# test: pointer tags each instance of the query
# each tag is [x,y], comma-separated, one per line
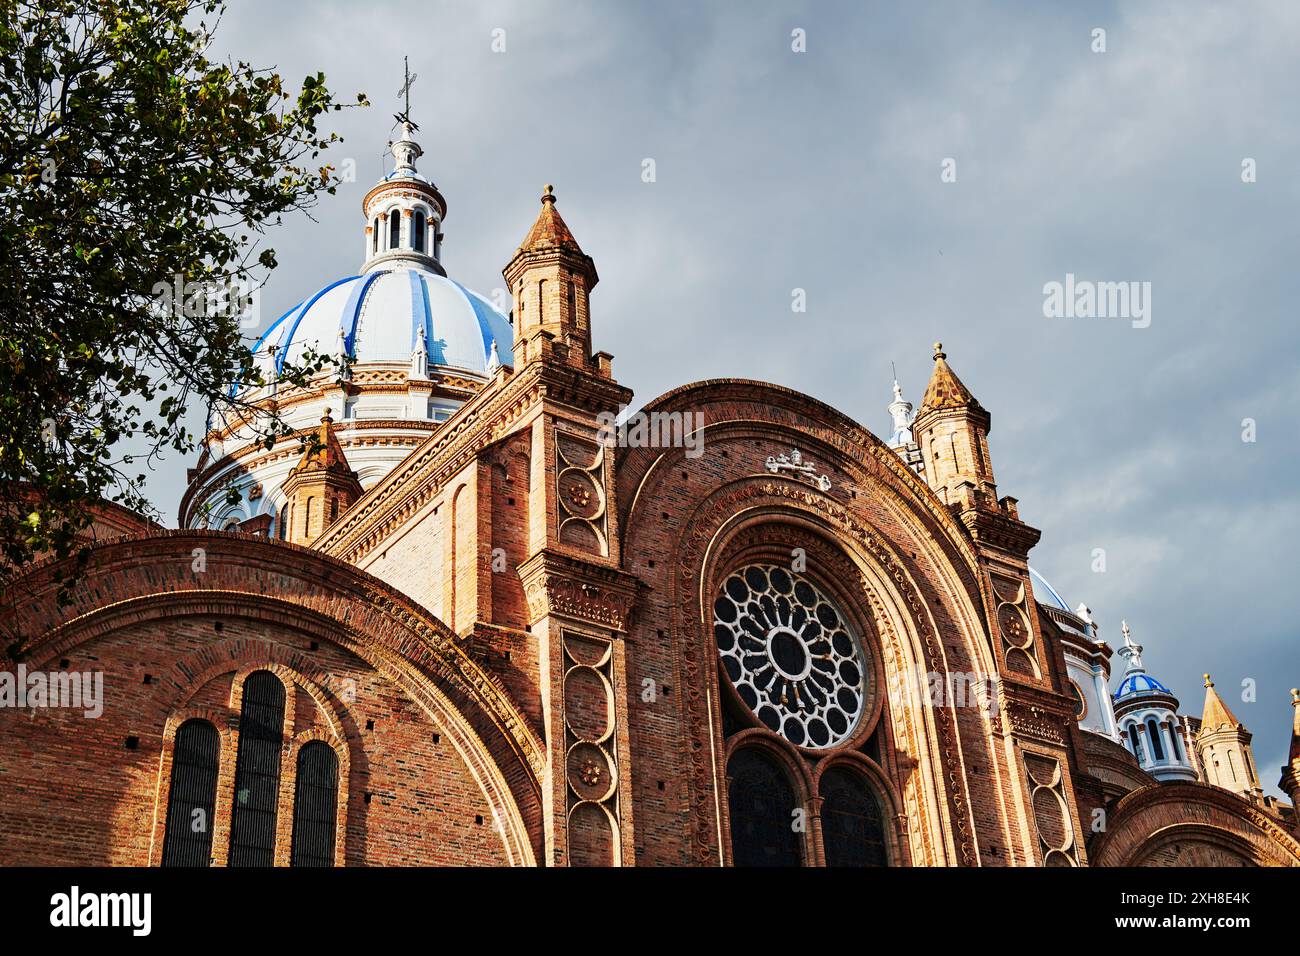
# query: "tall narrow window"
[315,806]
[417,229]
[1137,743]
[257,771]
[853,827]
[284,522]
[374,236]
[573,302]
[187,840]
[394,229]
[762,812]
[1153,730]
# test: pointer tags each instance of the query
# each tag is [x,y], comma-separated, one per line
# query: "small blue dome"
[381,314]
[1044,593]
[1141,684]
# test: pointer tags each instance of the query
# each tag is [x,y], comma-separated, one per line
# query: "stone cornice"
[1001,531]
[1035,713]
[556,584]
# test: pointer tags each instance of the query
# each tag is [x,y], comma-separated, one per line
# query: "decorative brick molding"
[1142,824]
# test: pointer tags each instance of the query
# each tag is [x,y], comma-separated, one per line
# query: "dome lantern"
[1149,724]
[404,212]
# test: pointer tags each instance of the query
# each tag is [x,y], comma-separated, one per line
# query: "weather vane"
[405,116]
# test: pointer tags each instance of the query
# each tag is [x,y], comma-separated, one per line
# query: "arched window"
[417,228]
[1177,744]
[374,236]
[394,229]
[315,806]
[853,828]
[187,839]
[284,522]
[257,771]
[1137,742]
[1157,748]
[762,812]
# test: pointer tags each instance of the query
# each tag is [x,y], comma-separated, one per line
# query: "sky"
[830,170]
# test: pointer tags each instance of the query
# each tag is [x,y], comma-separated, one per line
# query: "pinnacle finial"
[1295,697]
[325,419]
[939,353]
[1208,682]
[548,193]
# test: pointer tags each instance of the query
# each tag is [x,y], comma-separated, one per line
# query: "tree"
[137,179]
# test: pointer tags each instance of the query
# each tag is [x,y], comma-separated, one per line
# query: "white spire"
[420,356]
[900,409]
[1131,651]
[406,151]
[341,356]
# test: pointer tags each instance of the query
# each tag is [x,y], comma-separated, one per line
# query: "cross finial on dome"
[1128,635]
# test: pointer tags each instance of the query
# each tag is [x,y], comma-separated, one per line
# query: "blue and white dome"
[382,314]
[1141,683]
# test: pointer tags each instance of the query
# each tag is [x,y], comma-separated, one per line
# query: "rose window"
[791,656]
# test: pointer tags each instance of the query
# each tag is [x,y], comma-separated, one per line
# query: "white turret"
[900,410]
[1149,724]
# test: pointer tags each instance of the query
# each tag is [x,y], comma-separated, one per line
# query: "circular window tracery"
[791,656]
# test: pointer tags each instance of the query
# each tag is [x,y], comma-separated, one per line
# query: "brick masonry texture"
[508,643]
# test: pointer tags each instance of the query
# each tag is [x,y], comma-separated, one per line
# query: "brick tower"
[1224,746]
[952,430]
[320,487]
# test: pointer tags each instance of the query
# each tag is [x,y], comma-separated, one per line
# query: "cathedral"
[475,614]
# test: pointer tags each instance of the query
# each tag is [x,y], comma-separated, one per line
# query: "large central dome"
[419,344]
[384,315]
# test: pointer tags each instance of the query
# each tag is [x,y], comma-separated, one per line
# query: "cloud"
[820,171]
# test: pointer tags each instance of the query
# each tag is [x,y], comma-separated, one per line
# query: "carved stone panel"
[591,758]
[1051,811]
[580,493]
[1014,630]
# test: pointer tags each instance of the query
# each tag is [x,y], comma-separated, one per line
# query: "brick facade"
[509,643]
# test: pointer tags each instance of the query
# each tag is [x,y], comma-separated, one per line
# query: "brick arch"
[774,413]
[891,800]
[152,577]
[782,754]
[938,630]
[1211,822]
[921,557]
